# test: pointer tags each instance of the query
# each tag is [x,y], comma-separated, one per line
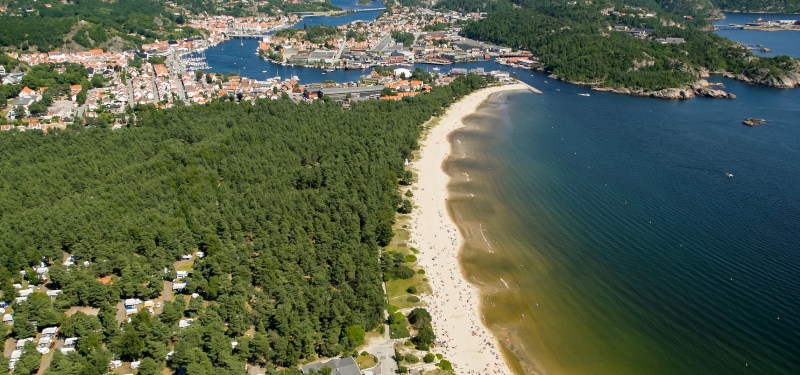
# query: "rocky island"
[754,121]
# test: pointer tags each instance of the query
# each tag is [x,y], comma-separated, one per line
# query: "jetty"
[729,27]
[533,89]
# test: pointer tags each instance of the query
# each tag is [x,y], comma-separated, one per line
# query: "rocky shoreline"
[787,80]
[702,87]
[699,88]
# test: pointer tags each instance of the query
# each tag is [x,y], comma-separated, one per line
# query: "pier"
[334,13]
[729,27]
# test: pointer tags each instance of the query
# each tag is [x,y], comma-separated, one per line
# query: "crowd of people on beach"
[453,304]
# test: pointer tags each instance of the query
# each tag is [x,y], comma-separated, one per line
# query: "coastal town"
[209,193]
[170,72]
[105,86]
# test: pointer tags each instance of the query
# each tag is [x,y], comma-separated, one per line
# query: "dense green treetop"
[318,34]
[577,43]
[89,23]
[290,203]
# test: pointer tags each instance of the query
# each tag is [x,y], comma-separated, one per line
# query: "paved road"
[383,349]
[166,295]
[175,69]
[156,94]
[130,92]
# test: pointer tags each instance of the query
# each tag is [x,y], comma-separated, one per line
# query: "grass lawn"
[396,289]
[184,265]
[366,361]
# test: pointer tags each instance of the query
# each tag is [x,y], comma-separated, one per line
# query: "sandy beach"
[462,337]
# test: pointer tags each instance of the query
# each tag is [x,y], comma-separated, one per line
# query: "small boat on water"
[729,174]
[585,94]
[328,70]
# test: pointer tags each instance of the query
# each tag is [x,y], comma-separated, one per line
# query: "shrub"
[410,258]
[421,271]
[412,290]
[425,279]
[402,272]
[414,250]
[408,343]
[429,358]
[406,207]
[355,334]
[439,356]
[413,299]
[410,358]
[398,331]
[445,365]
[409,193]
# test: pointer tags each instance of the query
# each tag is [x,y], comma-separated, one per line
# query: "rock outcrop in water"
[754,121]
[699,88]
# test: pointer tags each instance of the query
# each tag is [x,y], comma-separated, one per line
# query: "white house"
[53,293]
[135,365]
[132,302]
[200,254]
[41,270]
[20,299]
[183,323]
[130,311]
[26,292]
[66,351]
[178,286]
[21,342]
[69,345]
[44,345]
[70,342]
[182,274]
[186,257]
[8,318]
[50,332]
[115,364]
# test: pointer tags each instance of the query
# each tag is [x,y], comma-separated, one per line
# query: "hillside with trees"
[44,26]
[578,43]
[289,202]
[771,6]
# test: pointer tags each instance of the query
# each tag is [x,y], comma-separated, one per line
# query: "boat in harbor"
[329,70]
[585,94]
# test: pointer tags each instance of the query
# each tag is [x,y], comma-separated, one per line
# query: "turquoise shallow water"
[615,215]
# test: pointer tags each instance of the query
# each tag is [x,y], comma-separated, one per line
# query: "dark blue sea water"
[781,42]
[658,263]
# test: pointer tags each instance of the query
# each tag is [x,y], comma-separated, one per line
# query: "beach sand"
[462,337]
